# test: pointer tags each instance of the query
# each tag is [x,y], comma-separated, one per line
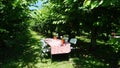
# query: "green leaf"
[96,4]
[86,3]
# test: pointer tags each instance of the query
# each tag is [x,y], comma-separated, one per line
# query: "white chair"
[73,42]
[44,49]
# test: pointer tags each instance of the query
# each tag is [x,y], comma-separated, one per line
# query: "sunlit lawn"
[30,58]
[55,64]
[83,61]
[47,62]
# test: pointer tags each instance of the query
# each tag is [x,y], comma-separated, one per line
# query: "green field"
[29,57]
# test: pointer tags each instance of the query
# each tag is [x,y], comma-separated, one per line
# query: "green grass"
[60,64]
[48,63]
[28,56]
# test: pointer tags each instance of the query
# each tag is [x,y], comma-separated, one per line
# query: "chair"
[73,41]
[44,49]
[66,39]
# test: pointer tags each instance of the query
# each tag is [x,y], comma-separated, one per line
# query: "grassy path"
[28,56]
[48,64]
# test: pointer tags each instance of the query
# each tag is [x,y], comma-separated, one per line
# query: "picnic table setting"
[59,46]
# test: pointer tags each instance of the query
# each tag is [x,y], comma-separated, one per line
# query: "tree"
[14,16]
[43,19]
[101,15]
[92,16]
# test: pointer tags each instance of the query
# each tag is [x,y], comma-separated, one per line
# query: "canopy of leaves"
[72,17]
[14,16]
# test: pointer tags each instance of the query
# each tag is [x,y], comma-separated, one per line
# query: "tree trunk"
[93,38]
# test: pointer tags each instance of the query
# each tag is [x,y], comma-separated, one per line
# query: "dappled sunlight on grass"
[22,56]
[87,61]
[28,56]
[62,64]
[101,55]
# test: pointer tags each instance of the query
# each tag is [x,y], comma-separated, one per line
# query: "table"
[57,47]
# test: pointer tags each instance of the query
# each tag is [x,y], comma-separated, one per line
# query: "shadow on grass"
[99,56]
[25,53]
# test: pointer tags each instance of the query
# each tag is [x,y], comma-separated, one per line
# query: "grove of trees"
[14,21]
[97,18]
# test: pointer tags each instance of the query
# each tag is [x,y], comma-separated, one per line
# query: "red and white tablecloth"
[57,47]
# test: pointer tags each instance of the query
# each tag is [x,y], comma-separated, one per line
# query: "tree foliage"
[14,16]
[72,17]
